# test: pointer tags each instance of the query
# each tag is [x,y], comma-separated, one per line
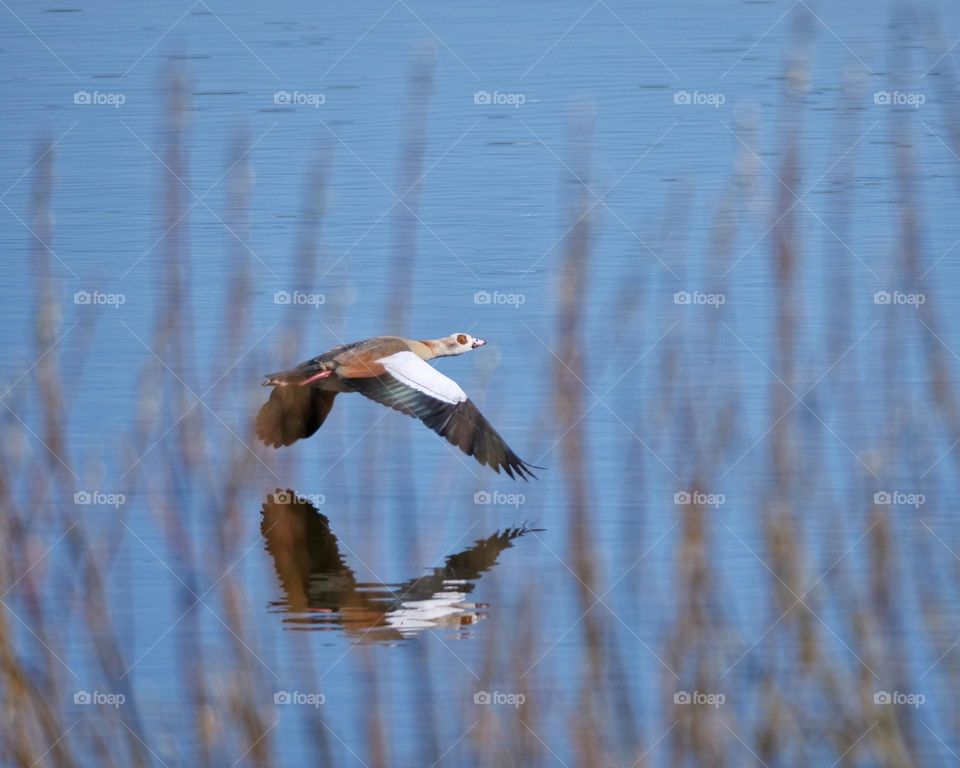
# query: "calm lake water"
[398,559]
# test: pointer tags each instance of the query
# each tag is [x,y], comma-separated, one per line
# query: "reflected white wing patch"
[417,374]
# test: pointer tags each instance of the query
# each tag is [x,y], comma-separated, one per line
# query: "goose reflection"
[320,591]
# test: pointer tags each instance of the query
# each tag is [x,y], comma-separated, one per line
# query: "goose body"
[394,372]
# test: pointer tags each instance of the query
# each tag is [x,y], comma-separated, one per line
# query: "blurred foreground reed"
[810,697]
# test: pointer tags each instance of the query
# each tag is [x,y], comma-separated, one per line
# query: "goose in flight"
[394,372]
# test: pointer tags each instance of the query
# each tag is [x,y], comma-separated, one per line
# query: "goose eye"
[461,339]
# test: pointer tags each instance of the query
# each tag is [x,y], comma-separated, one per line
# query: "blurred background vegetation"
[739,375]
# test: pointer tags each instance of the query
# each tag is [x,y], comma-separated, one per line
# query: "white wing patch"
[417,374]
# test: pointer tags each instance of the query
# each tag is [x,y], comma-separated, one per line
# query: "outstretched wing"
[410,385]
[292,413]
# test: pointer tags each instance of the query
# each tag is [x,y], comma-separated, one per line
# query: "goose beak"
[478,343]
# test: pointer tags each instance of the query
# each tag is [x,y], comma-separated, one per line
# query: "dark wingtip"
[527,527]
[523,469]
[516,531]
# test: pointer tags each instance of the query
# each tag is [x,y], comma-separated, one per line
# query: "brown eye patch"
[461,339]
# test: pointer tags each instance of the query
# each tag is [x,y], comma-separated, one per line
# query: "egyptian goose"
[394,372]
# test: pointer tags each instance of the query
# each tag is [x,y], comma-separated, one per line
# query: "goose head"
[458,343]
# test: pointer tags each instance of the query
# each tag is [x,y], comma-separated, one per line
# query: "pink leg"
[316,377]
